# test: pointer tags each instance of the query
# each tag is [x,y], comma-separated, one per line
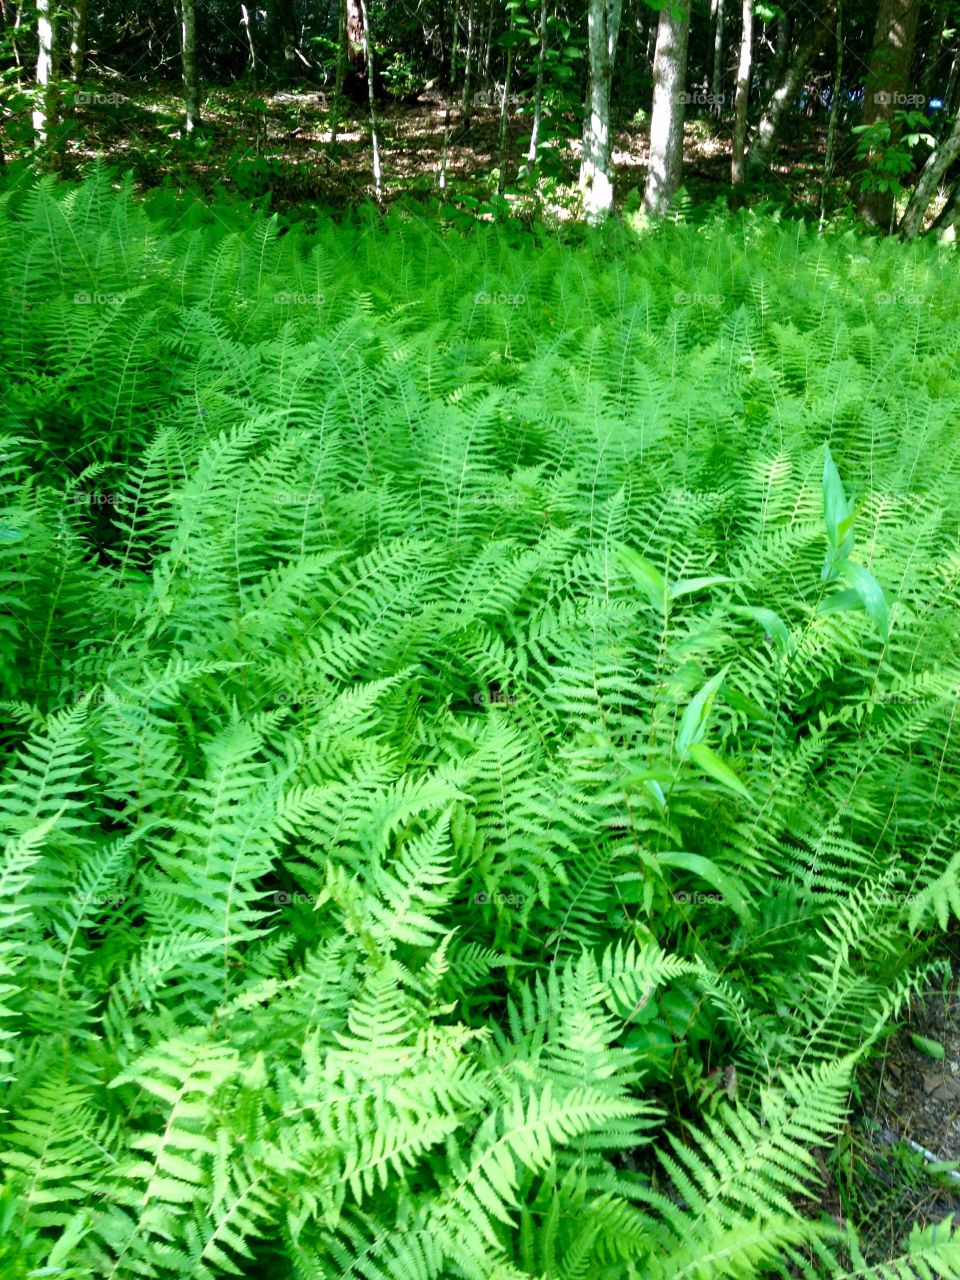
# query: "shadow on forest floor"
[276,147]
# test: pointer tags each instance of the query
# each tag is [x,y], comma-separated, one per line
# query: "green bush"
[480,719]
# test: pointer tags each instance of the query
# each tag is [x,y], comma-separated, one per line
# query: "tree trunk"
[932,50]
[716,77]
[945,223]
[448,95]
[336,109]
[950,93]
[374,136]
[834,113]
[45,113]
[665,165]
[603,28]
[538,91]
[191,83]
[245,20]
[742,96]
[78,39]
[466,102]
[885,90]
[771,122]
[488,54]
[504,112]
[932,174]
[282,39]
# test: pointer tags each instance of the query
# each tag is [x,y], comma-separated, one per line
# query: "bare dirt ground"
[278,145]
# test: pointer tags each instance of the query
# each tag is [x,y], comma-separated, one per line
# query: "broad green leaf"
[646,575]
[694,723]
[840,602]
[862,581]
[932,1048]
[773,625]
[688,585]
[708,760]
[835,509]
[837,515]
[725,882]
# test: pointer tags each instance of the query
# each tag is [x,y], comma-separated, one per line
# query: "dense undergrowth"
[481,728]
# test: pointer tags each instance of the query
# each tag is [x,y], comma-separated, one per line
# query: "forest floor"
[277,147]
[892,1170]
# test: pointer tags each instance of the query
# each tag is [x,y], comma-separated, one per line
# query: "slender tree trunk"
[885,89]
[932,50]
[466,102]
[282,39]
[448,95]
[538,91]
[716,77]
[603,29]
[665,167]
[336,109]
[945,222]
[771,122]
[245,20]
[504,117]
[487,84]
[188,46]
[45,113]
[834,114]
[78,39]
[371,93]
[14,14]
[742,96]
[950,93]
[932,174]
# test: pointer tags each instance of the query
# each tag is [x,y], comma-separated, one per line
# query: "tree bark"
[834,113]
[603,28]
[932,174]
[336,108]
[665,165]
[281,39]
[466,102]
[885,90]
[488,54]
[448,95]
[374,135]
[188,46]
[538,91]
[504,110]
[78,39]
[716,77]
[742,96]
[771,122]
[45,113]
